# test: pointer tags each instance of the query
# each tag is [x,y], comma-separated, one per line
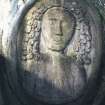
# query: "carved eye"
[52,21]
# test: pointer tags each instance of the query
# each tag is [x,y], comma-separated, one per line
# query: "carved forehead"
[57,12]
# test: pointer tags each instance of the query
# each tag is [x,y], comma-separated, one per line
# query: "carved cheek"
[47,30]
[54,28]
[66,30]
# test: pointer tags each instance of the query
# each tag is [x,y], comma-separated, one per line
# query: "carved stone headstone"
[58,54]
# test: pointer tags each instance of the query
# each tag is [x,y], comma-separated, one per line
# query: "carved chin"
[56,47]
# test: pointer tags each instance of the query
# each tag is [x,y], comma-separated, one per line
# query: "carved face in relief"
[57,26]
[59,77]
[56,77]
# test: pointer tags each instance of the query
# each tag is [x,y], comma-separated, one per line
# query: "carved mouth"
[57,40]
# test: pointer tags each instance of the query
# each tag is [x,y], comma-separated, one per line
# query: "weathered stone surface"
[49,37]
[56,55]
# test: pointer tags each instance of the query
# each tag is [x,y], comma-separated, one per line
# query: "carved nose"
[59,29]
